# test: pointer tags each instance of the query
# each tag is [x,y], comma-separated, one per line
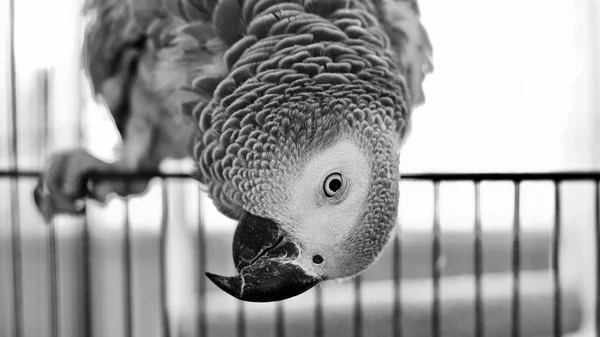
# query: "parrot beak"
[264,257]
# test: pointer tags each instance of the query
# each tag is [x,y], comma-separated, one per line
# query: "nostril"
[318,259]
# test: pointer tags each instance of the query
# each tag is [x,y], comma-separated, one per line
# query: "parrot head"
[316,194]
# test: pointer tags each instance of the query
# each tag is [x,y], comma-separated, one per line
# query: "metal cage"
[564,317]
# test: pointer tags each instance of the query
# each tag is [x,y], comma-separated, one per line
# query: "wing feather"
[165,39]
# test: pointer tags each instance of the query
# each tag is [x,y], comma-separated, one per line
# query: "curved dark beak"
[265,258]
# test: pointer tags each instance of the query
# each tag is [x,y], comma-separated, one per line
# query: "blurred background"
[516,88]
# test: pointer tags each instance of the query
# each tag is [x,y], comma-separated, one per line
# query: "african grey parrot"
[294,111]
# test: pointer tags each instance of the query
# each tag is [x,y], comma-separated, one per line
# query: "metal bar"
[318,311]
[529,176]
[128,315]
[162,263]
[478,264]
[241,322]
[54,282]
[14,183]
[27,173]
[79,97]
[397,274]
[593,43]
[46,138]
[279,320]
[357,307]
[516,262]
[593,10]
[597,223]
[556,262]
[53,276]
[201,270]
[87,280]
[435,265]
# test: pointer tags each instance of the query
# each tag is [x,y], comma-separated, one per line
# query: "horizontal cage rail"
[437,176]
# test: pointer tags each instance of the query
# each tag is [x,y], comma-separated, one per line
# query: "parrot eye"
[332,185]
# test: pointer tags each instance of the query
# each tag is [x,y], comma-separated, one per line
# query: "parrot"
[294,113]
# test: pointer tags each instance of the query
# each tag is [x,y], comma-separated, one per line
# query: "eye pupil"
[335,185]
[318,259]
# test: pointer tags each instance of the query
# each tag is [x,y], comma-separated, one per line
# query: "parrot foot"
[65,183]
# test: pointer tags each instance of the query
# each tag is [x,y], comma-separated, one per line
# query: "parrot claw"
[49,207]
[62,187]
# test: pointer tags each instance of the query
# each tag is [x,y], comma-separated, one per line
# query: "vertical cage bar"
[397,274]
[557,312]
[79,96]
[357,306]
[162,260]
[88,318]
[279,320]
[435,265]
[52,238]
[14,182]
[54,282]
[478,263]
[594,38]
[201,270]
[45,143]
[597,232]
[318,311]
[516,263]
[128,317]
[241,323]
